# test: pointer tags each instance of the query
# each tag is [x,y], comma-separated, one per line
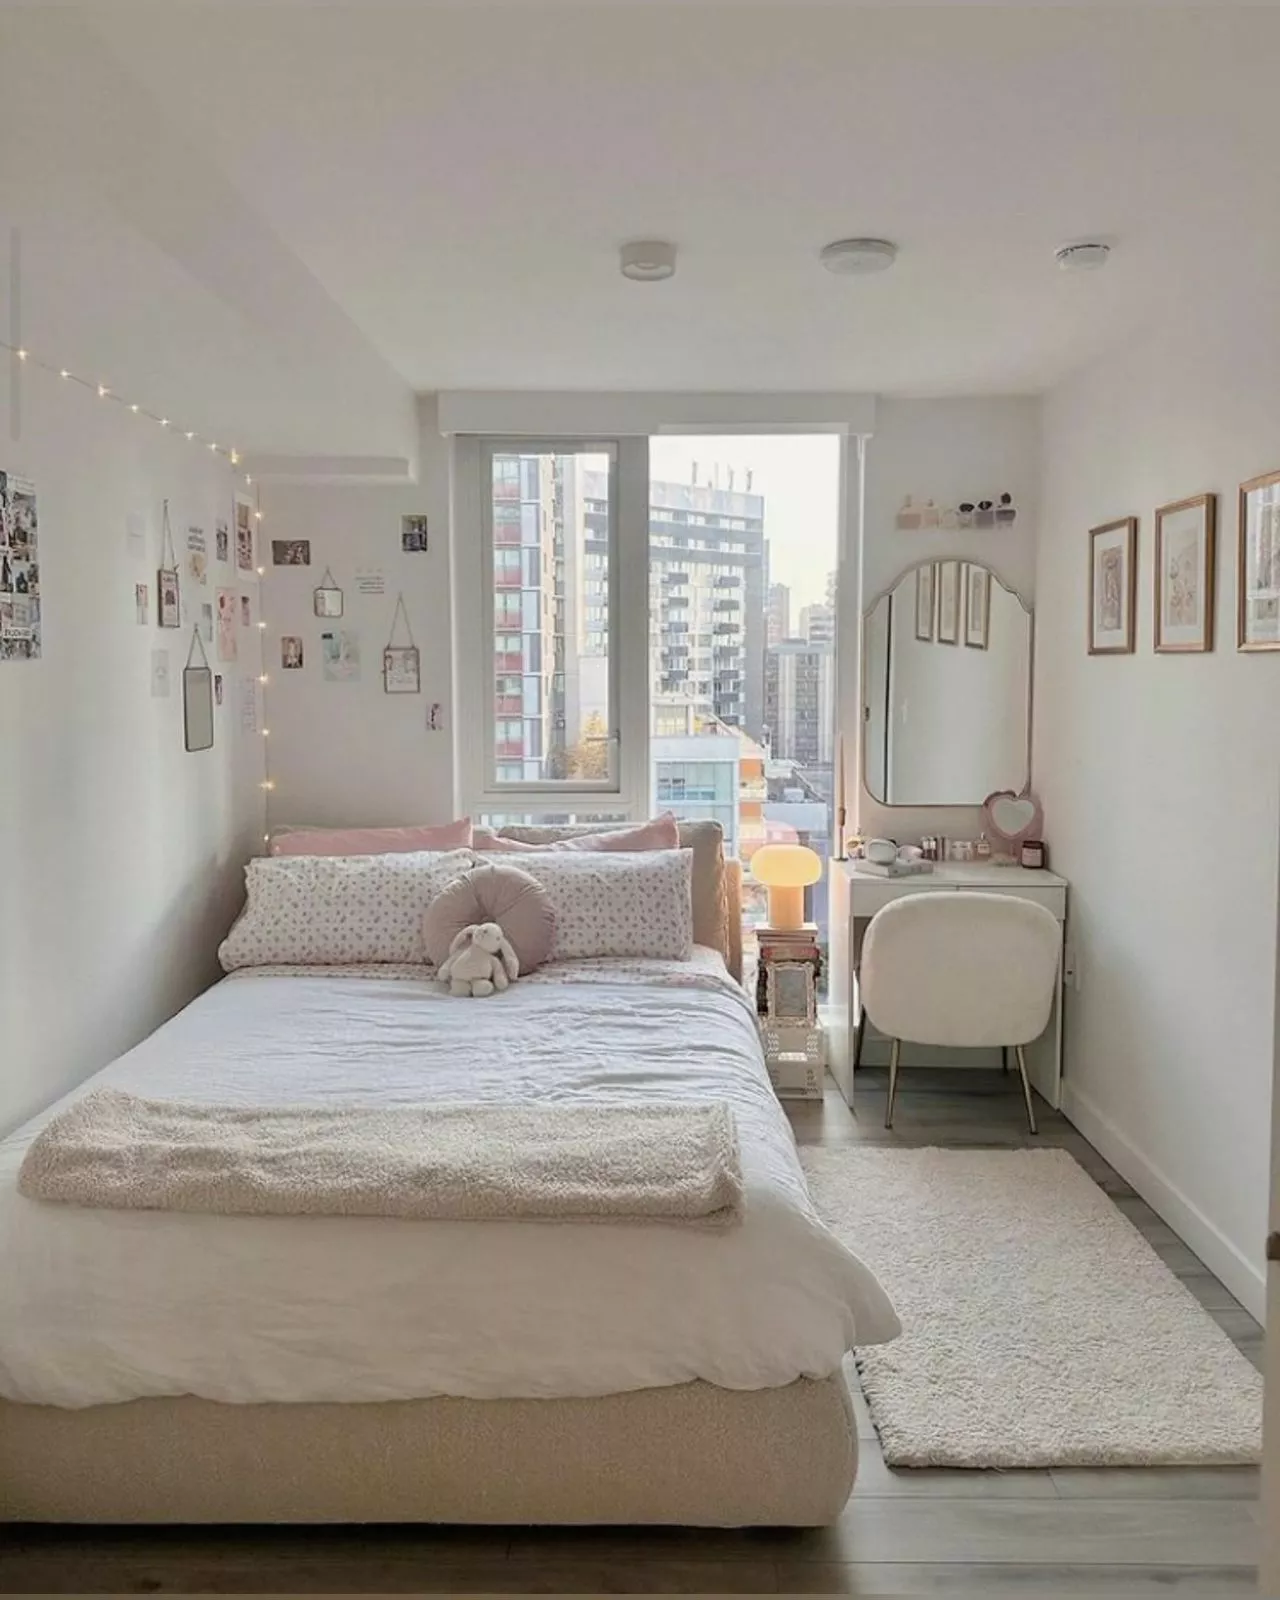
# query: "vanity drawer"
[870,896]
[1052,898]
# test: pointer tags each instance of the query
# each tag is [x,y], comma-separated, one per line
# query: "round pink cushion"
[515,900]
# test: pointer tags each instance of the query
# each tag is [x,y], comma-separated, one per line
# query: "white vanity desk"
[856,896]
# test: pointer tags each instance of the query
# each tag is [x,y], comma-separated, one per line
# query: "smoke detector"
[648,260]
[1085,257]
[849,257]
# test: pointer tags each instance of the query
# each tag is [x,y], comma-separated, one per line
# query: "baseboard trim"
[1244,1280]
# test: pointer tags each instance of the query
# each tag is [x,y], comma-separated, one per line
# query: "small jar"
[1033,853]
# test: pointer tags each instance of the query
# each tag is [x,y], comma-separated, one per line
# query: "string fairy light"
[104,391]
[233,457]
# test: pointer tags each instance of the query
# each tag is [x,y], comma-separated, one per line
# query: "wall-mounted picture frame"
[244,534]
[291,552]
[926,589]
[328,598]
[1184,574]
[1113,587]
[413,535]
[948,602]
[977,607]
[1258,564]
[291,652]
[168,597]
[401,669]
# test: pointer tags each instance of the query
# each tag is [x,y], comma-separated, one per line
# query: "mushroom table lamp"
[785,869]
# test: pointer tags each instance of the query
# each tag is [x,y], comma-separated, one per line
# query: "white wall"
[945,451]
[122,852]
[348,753]
[1160,777]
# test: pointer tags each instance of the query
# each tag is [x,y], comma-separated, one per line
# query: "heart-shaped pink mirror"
[1011,818]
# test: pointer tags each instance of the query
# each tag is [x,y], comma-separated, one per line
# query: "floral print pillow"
[330,910]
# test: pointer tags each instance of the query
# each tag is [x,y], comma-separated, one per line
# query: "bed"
[172,1367]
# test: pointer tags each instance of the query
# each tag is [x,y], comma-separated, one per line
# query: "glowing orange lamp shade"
[785,869]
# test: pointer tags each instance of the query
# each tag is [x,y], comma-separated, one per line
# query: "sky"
[799,477]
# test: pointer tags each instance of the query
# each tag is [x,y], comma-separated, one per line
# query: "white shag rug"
[1040,1329]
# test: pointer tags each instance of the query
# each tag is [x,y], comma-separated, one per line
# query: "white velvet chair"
[961,969]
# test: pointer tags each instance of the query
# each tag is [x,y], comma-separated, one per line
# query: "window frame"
[479,788]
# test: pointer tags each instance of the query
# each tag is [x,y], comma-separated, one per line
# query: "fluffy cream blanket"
[451,1163]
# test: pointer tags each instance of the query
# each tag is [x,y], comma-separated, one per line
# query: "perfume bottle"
[982,849]
[986,517]
[966,513]
[908,514]
[1006,511]
[929,517]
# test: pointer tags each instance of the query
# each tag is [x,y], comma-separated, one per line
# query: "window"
[549,570]
[631,669]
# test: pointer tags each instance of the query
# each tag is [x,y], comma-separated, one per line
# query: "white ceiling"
[458,178]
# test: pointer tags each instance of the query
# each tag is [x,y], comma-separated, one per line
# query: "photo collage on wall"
[19,570]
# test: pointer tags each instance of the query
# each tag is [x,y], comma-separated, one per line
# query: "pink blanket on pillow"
[661,833]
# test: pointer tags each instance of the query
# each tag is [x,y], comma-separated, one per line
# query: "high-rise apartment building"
[799,705]
[778,614]
[706,598]
[818,624]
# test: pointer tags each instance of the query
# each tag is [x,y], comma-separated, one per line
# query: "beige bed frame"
[691,1454]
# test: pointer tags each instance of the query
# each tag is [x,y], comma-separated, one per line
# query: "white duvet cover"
[102,1306]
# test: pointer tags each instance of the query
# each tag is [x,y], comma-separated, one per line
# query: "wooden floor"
[1108,1532]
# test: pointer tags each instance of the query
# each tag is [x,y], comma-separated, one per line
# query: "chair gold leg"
[894,1051]
[1026,1087]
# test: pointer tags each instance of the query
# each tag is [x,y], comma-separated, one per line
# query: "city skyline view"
[741,701]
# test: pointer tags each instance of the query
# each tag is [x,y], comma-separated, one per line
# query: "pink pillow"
[372,841]
[661,833]
[513,899]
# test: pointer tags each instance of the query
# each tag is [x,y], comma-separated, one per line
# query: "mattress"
[111,1306]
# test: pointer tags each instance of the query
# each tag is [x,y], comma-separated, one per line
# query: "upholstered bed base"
[694,1454]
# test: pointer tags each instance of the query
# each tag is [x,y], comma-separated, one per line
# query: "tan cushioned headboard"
[717,883]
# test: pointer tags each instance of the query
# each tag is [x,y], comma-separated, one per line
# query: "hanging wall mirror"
[197,698]
[946,688]
[328,596]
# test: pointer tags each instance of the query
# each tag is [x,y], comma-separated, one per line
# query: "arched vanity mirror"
[946,688]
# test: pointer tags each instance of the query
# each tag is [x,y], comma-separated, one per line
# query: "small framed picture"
[926,584]
[170,605]
[1258,577]
[1113,588]
[1185,574]
[328,600]
[977,607]
[413,535]
[291,552]
[790,993]
[244,535]
[948,602]
[290,652]
[400,669]
[141,604]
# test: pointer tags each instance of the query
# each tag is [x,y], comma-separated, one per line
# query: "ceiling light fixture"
[648,260]
[857,257]
[1087,256]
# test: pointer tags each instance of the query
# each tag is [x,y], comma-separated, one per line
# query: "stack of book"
[785,944]
[788,944]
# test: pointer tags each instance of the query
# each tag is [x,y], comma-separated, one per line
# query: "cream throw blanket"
[449,1163]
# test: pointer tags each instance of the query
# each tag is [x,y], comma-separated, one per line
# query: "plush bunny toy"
[480,960]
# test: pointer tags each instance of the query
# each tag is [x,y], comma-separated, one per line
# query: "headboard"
[717,882]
